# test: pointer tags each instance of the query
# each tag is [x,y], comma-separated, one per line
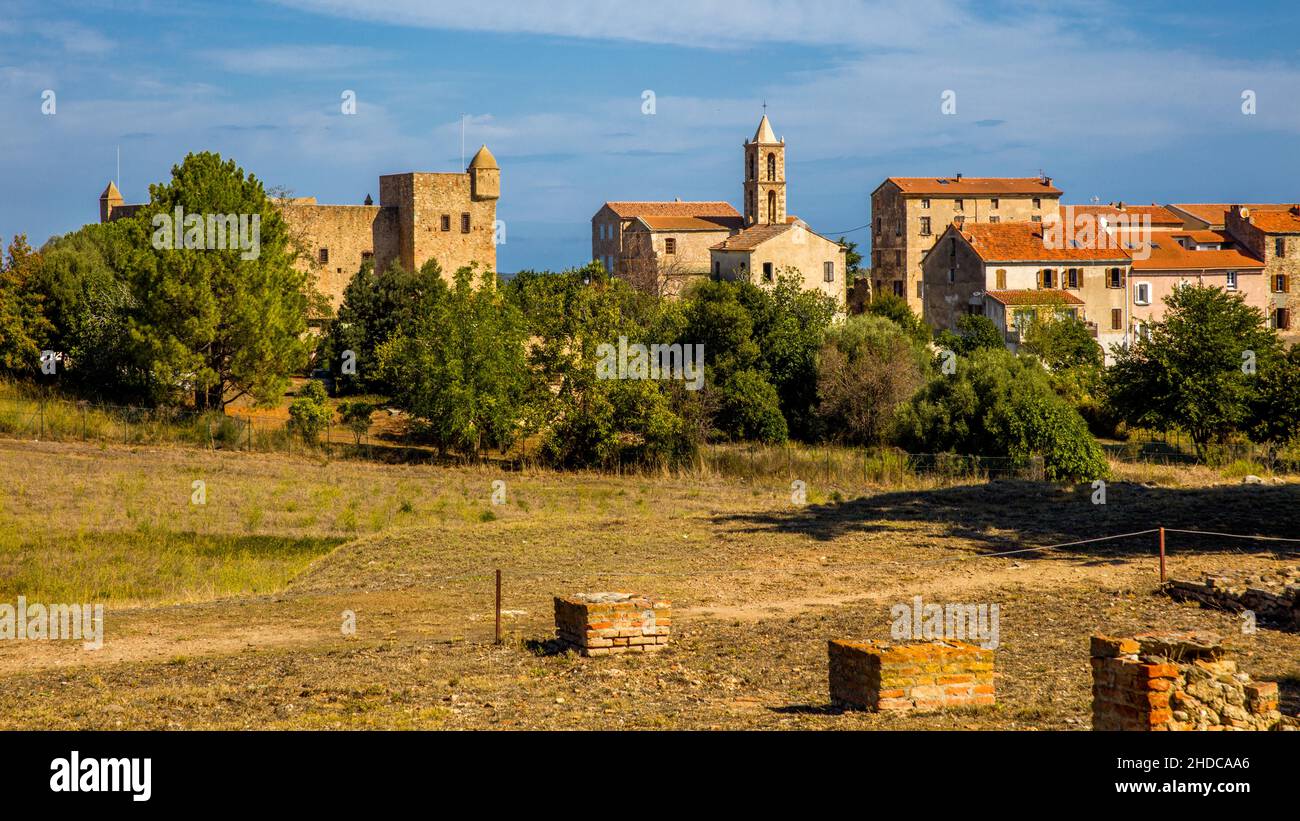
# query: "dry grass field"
[229,614]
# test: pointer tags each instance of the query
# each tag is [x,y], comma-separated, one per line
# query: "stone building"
[449,217]
[908,214]
[1273,236]
[661,245]
[1011,272]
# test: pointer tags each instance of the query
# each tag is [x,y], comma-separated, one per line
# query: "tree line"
[480,363]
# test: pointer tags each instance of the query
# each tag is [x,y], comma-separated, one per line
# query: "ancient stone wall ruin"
[935,675]
[1176,681]
[602,624]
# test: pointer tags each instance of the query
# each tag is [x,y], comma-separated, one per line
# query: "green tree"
[23,326]
[868,369]
[896,309]
[462,369]
[87,298]
[974,332]
[751,409]
[220,323]
[1193,370]
[375,305]
[1274,420]
[310,413]
[356,416]
[1062,341]
[999,404]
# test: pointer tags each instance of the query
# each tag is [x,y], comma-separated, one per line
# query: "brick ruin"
[1177,681]
[1274,596]
[935,675]
[602,624]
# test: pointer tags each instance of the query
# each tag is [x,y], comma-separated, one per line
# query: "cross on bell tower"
[764,176]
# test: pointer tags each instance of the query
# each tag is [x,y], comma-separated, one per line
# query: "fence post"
[1160,541]
[498,606]
[41,412]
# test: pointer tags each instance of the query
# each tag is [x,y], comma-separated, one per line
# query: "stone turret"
[485,176]
[110,199]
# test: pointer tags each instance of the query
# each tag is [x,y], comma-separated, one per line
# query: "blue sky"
[1122,101]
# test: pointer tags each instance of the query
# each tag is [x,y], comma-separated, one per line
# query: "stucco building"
[1009,272]
[662,245]
[908,215]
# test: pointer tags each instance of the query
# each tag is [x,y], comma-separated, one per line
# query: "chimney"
[1047,180]
[959,176]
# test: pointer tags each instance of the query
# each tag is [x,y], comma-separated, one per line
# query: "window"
[1143,331]
[1282,319]
[920,289]
[898,257]
[959,220]
[1142,293]
[993,204]
[877,227]
[952,275]
[1279,247]
[1232,280]
[767,272]
[446,222]
[994,219]
[717,268]
[925,203]
[898,287]
[828,271]
[324,255]
[771,167]
[1072,277]
[1035,218]
[1038,203]
[670,245]
[1116,319]
[959,205]
[464,223]
[771,206]
[1280,284]
[1000,279]
[1048,278]
[367,255]
[925,226]
[1114,278]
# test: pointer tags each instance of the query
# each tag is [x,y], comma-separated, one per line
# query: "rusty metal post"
[498,606]
[1160,540]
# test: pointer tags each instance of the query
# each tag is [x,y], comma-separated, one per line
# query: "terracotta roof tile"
[1167,255]
[1214,212]
[752,237]
[1044,296]
[1159,214]
[1277,222]
[710,223]
[987,186]
[1025,242]
[632,210]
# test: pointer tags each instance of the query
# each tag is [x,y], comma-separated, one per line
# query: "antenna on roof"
[462,141]
[118,180]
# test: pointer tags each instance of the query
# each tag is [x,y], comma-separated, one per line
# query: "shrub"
[309,413]
[867,369]
[998,404]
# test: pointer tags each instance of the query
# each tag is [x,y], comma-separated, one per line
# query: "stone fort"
[448,217]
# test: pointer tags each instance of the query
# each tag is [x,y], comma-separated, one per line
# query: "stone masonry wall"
[1176,681]
[1274,597]
[923,676]
[602,624]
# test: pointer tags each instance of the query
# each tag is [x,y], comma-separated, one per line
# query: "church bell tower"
[764,177]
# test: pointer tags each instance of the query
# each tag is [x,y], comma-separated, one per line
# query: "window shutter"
[1123,278]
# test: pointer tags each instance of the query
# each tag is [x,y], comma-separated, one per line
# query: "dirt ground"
[758,585]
